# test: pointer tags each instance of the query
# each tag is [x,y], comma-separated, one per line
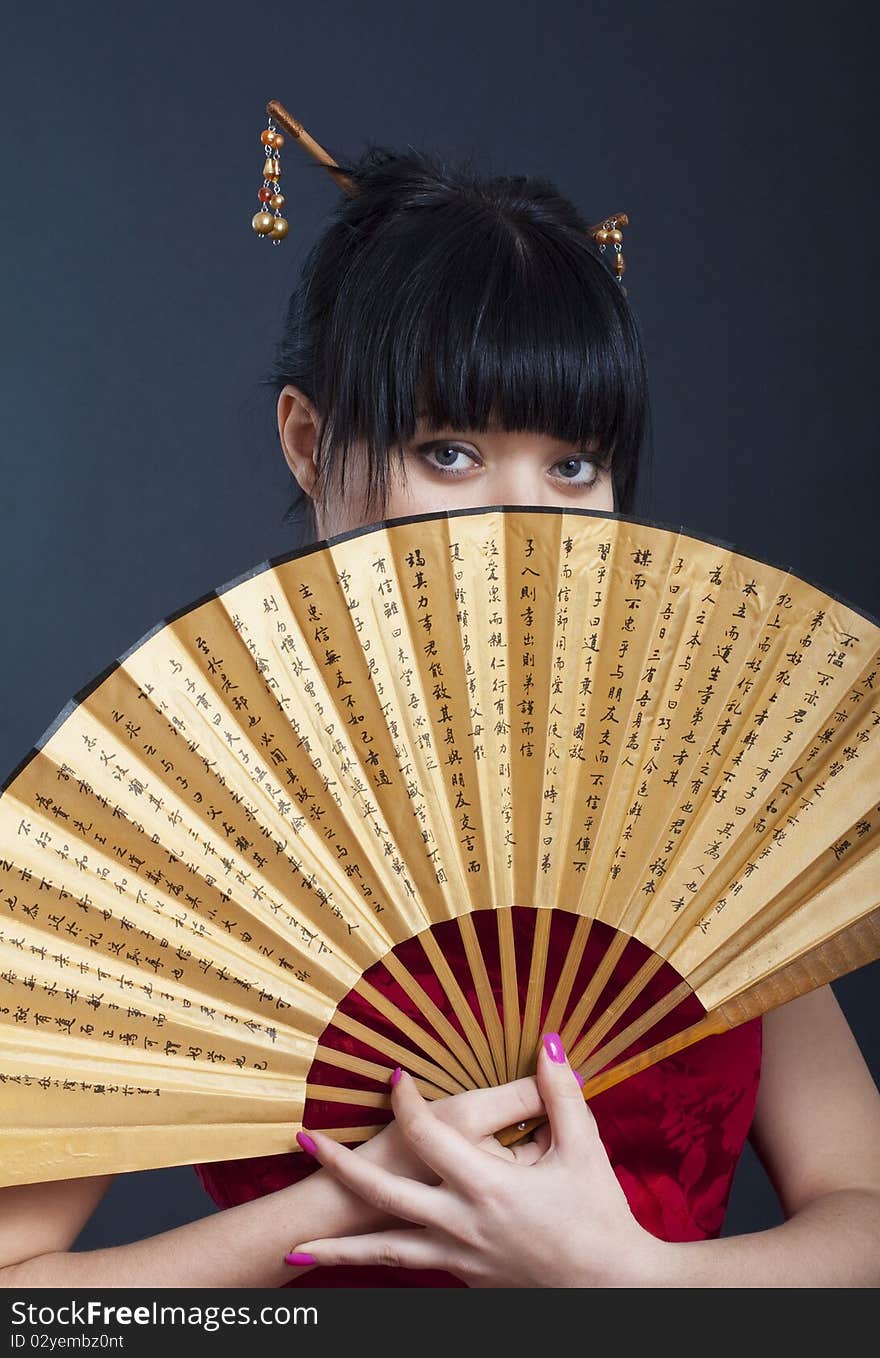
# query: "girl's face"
[449,469]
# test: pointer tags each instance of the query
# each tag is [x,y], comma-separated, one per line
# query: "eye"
[578,471]
[447,455]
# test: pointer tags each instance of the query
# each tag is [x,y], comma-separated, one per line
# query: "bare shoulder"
[42,1218]
[817,1118]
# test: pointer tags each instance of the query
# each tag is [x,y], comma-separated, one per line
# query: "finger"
[572,1125]
[482,1112]
[439,1145]
[529,1152]
[393,1194]
[541,1138]
[393,1249]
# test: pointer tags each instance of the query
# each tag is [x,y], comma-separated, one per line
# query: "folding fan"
[413,796]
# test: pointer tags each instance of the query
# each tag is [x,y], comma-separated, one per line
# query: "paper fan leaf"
[410,796]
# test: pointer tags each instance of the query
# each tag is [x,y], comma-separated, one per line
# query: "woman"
[455,342]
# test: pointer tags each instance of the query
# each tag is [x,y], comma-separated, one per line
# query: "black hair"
[482,301]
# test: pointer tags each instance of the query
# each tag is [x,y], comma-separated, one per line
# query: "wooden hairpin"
[605,233]
[296,130]
[608,233]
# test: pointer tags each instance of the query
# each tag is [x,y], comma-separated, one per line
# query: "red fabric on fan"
[673,1133]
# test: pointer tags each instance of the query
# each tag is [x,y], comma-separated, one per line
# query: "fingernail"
[580,1079]
[307,1143]
[299,1260]
[554,1048]
[395,1075]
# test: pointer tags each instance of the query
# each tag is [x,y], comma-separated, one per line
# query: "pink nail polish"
[395,1075]
[299,1260]
[307,1143]
[554,1048]
[580,1079]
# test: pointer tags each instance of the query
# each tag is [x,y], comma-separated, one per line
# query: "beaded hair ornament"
[269,223]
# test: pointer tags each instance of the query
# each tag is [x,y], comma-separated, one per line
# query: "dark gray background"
[141,465]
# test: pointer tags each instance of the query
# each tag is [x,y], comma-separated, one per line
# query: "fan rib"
[406,1025]
[340,1095]
[357,1065]
[534,995]
[435,1017]
[601,1056]
[587,1002]
[617,1007]
[364,1098]
[709,1026]
[401,1056]
[562,992]
[509,992]
[475,1034]
[350,1135]
[833,957]
[825,873]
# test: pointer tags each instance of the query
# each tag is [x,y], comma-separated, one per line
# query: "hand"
[476,1114]
[549,1213]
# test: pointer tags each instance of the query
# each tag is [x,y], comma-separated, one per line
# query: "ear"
[298,425]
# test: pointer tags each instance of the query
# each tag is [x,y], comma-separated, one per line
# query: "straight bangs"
[472,318]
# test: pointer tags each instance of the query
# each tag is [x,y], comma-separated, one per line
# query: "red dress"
[673,1133]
